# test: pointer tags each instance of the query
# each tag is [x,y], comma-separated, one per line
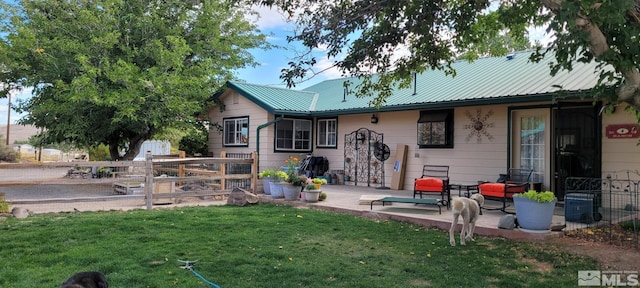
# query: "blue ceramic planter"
[533,215]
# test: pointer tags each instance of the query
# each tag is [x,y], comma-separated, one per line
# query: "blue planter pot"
[533,215]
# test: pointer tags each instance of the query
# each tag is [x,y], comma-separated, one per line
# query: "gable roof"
[488,80]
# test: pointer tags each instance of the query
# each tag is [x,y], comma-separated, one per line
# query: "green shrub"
[7,154]
[100,153]
[195,142]
[4,204]
[542,197]
[630,225]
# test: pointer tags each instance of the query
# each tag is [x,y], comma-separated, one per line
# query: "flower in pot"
[319,181]
[267,176]
[312,193]
[296,181]
[267,173]
[534,210]
[275,184]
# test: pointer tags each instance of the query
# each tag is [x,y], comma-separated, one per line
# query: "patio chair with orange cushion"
[516,181]
[434,179]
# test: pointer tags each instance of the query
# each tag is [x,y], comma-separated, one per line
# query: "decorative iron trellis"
[360,164]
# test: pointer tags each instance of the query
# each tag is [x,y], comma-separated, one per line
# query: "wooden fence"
[158,177]
[194,170]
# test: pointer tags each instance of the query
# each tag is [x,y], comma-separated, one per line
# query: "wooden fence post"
[182,154]
[223,170]
[148,182]
[254,172]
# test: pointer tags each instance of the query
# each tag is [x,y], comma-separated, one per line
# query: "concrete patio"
[346,199]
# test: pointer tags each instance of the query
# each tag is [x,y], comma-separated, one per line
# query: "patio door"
[531,144]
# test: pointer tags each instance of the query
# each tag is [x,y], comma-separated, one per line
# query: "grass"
[267,246]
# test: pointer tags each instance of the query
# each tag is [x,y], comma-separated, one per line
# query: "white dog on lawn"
[469,209]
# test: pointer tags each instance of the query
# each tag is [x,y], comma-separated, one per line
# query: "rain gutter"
[260,127]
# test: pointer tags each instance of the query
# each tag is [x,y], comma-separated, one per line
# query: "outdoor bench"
[427,201]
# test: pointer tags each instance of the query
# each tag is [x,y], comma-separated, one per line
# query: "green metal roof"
[485,81]
[277,100]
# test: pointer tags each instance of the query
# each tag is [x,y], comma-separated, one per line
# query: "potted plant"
[294,186]
[318,182]
[267,176]
[295,181]
[534,210]
[312,193]
[276,183]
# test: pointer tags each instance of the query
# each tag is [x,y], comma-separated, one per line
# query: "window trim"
[437,116]
[224,131]
[293,139]
[318,132]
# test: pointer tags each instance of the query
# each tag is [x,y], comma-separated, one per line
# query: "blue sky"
[272,61]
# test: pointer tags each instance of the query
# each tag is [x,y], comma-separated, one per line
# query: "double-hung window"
[236,131]
[327,132]
[293,135]
[435,129]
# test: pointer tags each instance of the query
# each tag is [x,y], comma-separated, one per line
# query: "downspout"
[260,127]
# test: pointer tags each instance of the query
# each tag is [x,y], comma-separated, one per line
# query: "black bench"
[428,201]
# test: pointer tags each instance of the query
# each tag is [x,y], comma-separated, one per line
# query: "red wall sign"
[623,131]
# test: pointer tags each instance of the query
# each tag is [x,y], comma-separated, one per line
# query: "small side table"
[468,188]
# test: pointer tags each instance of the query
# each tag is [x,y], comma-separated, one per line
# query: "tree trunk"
[629,92]
[241,197]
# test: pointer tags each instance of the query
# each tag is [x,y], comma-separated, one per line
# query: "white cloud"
[269,18]
[328,70]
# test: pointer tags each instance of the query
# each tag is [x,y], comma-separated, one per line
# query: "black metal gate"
[577,143]
[360,164]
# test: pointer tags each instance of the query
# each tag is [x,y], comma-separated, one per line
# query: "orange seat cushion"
[429,185]
[497,189]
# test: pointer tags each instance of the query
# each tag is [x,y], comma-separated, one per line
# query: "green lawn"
[266,246]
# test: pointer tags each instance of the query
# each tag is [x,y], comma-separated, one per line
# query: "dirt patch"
[539,266]
[610,256]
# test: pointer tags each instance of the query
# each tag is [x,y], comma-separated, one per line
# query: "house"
[496,113]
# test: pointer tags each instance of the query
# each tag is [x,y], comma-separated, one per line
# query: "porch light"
[374,119]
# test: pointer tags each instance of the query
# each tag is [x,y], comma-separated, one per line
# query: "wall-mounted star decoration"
[478,125]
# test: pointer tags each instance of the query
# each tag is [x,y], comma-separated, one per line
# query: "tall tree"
[118,72]
[437,32]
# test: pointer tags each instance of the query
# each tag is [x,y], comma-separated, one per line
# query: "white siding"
[470,160]
[620,155]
